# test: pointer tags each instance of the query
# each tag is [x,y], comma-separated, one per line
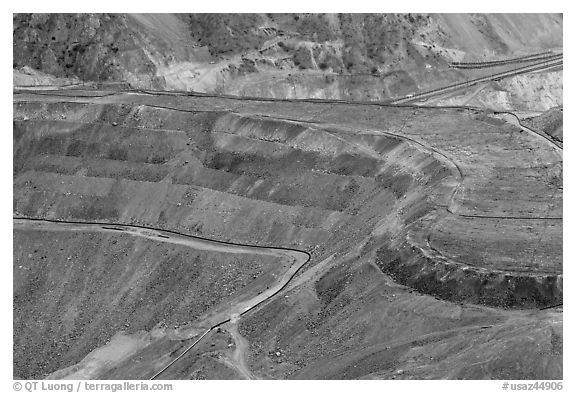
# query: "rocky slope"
[423,228]
[74,292]
[435,234]
[353,56]
[550,122]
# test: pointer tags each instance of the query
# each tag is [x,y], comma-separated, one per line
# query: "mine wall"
[256,180]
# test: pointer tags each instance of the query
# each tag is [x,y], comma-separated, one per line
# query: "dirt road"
[541,66]
[515,120]
[238,359]
[219,317]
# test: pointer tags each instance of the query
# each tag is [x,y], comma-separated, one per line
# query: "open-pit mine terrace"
[445,220]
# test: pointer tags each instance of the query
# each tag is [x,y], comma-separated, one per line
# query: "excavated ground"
[416,219]
[108,283]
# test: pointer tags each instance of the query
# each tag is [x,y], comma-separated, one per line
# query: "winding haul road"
[297,258]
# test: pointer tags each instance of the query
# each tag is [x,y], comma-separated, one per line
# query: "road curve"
[299,258]
[514,119]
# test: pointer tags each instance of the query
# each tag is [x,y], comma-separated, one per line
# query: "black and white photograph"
[286,196]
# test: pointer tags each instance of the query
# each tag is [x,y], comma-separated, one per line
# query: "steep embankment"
[284,176]
[385,199]
[245,177]
[550,122]
[71,163]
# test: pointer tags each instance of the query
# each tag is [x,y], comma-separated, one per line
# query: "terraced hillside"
[424,225]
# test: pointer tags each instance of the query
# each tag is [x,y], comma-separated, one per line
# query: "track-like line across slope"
[300,258]
[515,119]
[496,63]
[457,86]
[427,148]
[439,154]
[161,234]
[442,156]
